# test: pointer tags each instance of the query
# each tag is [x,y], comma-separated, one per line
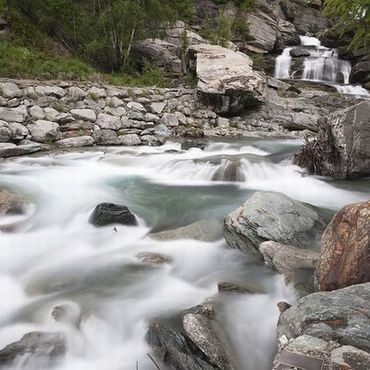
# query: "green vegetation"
[351,16]
[21,62]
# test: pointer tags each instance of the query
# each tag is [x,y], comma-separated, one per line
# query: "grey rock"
[19,132]
[273,216]
[76,93]
[106,137]
[204,230]
[73,142]
[321,321]
[158,108]
[150,140]
[150,117]
[295,264]
[55,91]
[106,121]
[11,204]
[153,258]
[136,106]
[10,90]
[201,331]
[37,112]
[226,79]
[240,288]
[299,52]
[84,114]
[97,93]
[161,130]
[130,140]
[13,114]
[44,131]
[51,114]
[13,150]
[170,120]
[342,147]
[36,347]
[5,132]
[135,115]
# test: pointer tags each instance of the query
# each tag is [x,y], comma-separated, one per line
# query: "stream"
[56,257]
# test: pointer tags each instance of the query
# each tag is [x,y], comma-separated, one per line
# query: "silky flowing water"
[55,256]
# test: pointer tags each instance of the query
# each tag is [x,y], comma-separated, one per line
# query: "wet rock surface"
[342,147]
[38,349]
[109,213]
[332,326]
[11,204]
[273,216]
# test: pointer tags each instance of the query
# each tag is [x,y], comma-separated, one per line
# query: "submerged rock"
[153,258]
[345,248]
[34,350]
[188,144]
[204,230]
[331,326]
[109,213]
[342,147]
[229,171]
[240,288]
[273,216]
[11,204]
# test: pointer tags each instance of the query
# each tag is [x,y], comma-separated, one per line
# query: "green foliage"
[150,76]
[351,16]
[219,31]
[243,5]
[22,62]
[101,32]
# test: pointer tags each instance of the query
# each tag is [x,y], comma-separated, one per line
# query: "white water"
[56,257]
[283,64]
[323,65]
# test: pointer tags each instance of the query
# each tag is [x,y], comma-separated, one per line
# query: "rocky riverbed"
[116,258]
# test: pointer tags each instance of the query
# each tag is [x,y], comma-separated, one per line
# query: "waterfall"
[283,64]
[322,65]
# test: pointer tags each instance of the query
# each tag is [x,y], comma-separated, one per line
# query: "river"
[55,256]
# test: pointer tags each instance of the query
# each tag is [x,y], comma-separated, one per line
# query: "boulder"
[170,120]
[106,137]
[130,140]
[55,91]
[342,147]
[190,341]
[188,144]
[109,214]
[299,52]
[10,90]
[13,114]
[204,230]
[345,248]
[106,121]
[159,52]
[5,132]
[273,216]
[361,72]
[295,264]
[19,132]
[75,142]
[11,204]
[327,326]
[40,348]
[226,79]
[84,114]
[44,131]
[13,150]
[230,171]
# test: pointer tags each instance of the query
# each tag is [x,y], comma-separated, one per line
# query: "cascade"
[322,65]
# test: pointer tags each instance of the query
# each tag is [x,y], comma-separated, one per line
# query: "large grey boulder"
[5,132]
[342,147]
[13,114]
[106,121]
[55,91]
[44,131]
[332,326]
[13,150]
[226,79]
[273,216]
[39,348]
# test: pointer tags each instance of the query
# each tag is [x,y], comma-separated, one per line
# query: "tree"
[352,16]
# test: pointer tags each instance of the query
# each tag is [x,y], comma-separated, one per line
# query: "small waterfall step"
[320,65]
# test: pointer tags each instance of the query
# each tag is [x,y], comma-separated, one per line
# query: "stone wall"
[35,114]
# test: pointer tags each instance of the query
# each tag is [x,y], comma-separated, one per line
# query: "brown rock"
[345,248]
[11,204]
